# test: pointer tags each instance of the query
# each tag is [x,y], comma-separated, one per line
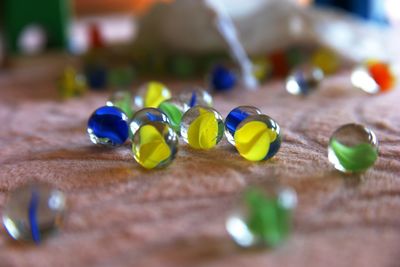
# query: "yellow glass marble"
[326,60]
[151,95]
[202,127]
[71,83]
[154,145]
[257,138]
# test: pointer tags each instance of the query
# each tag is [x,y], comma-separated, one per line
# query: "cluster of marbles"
[33,212]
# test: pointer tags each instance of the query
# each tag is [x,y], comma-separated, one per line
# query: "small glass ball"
[147,115]
[33,212]
[151,95]
[327,60]
[257,137]
[71,83]
[122,99]
[235,117]
[108,126]
[303,80]
[353,148]
[263,217]
[154,145]
[374,77]
[196,97]
[202,127]
[222,78]
[174,109]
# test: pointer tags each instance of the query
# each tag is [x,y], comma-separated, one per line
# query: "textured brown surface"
[121,215]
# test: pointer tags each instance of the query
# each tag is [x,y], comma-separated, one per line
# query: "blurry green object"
[51,15]
[295,56]
[121,76]
[182,66]
[122,99]
[71,83]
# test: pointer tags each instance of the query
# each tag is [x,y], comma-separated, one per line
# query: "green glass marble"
[353,148]
[123,100]
[174,108]
[264,217]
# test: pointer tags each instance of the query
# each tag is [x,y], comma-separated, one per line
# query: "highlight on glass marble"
[154,145]
[353,148]
[304,79]
[146,115]
[222,78]
[151,95]
[174,108]
[257,137]
[374,77]
[34,212]
[235,117]
[71,83]
[263,217]
[108,126]
[121,99]
[202,127]
[196,97]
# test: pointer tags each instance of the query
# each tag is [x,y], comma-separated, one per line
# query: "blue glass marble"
[235,117]
[96,76]
[147,115]
[222,78]
[108,126]
[196,97]
[33,212]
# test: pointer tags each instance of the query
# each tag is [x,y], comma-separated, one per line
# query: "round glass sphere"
[235,117]
[263,217]
[108,126]
[121,99]
[257,137]
[374,77]
[202,127]
[154,145]
[151,95]
[353,148]
[304,79]
[174,109]
[33,212]
[222,78]
[147,115]
[196,97]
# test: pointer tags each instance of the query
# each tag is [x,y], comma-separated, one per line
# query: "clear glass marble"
[235,117]
[196,97]
[108,126]
[353,148]
[33,212]
[151,95]
[304,79]
[257,137]
[147,115]
[202,127]
[174,108]
[263,217]
[121,99]
[154,145]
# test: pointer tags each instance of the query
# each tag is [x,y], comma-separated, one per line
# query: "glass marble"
[202,127]
[174,108]
[71,83]
[96,76]
[151,95]
[222,78]
[304,79]
[196,97]
[154,145]
[121,99]
[374,77]
[121,76]
[353,148]
[33,212]
[257,137]
[262,68]
[327,60]
[235,117]
[263,217]
[147,115]
[108,126]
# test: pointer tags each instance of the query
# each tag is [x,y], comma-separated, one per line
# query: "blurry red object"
[383,75]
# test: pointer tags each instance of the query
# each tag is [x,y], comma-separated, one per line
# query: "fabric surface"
[122,215]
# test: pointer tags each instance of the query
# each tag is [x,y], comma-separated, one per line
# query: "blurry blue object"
[96,76]
[372,10]
[222,78]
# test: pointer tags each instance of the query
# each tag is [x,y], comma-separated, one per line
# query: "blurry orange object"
[383,75]
[89,7]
